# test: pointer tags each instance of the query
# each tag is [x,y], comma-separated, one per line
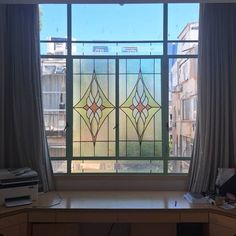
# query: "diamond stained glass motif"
[140,107]
[94,107]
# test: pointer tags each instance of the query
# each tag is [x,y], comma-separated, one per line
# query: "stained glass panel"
[140,107]
[93,108]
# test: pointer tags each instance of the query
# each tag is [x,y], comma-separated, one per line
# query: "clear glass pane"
[139,49]
[94,108]
[178,167]
[140,107]
[183,21]
[182,105]
[102,49]
[55,48]
[183,48]
[53,22]
[59,167]
[53,81]
[117,22]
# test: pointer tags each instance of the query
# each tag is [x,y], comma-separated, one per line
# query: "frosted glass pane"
[87,66]
[137,166]
[147,149]
[112,166]
[133,149]
[181,167]
[59,167]
[158,149]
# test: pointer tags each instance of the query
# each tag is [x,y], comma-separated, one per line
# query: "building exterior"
[183,97]
[53,81]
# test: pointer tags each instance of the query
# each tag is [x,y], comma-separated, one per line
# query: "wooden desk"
[97,213]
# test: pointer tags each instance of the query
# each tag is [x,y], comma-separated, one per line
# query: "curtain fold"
[215,137]
[2,73]
[24,138]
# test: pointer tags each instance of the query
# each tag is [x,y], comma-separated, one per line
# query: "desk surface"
[118,200]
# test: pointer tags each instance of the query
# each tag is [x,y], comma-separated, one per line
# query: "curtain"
[2,71]
[23,137]
[215,140]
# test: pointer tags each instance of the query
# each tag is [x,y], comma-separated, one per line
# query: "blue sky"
[116,22]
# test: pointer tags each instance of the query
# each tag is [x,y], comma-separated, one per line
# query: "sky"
[116,22]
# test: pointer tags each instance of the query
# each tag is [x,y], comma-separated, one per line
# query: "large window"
[119,86]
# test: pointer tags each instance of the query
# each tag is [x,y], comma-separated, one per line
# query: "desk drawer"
[86,217]
[13,220]
[42,216]
[224,221]
[55,229]
[148,217]
[218,230]
[192,217]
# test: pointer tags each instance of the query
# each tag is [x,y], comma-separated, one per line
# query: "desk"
[136,213]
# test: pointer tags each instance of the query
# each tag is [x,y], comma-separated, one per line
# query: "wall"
[126,183]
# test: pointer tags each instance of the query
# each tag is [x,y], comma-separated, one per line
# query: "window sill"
[111,182]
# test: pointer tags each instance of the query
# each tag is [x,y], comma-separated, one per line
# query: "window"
[111,88]
[187,109]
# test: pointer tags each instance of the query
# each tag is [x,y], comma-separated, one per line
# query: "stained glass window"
[94,107]
[140,107]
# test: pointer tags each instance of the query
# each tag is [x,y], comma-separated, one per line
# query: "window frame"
[165,57]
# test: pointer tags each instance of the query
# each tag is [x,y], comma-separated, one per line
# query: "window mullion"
[117,109]
[69,93]
[164,90]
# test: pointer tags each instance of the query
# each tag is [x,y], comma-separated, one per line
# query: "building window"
[107,100]
[187,109]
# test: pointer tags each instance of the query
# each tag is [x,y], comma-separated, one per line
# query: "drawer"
[148,217]
[13,220]
[53,229]
[224,221]
[42,216]
[198,217]
[218,230]
[86,216]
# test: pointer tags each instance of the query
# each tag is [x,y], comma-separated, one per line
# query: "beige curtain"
[215,142]
[23,140]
